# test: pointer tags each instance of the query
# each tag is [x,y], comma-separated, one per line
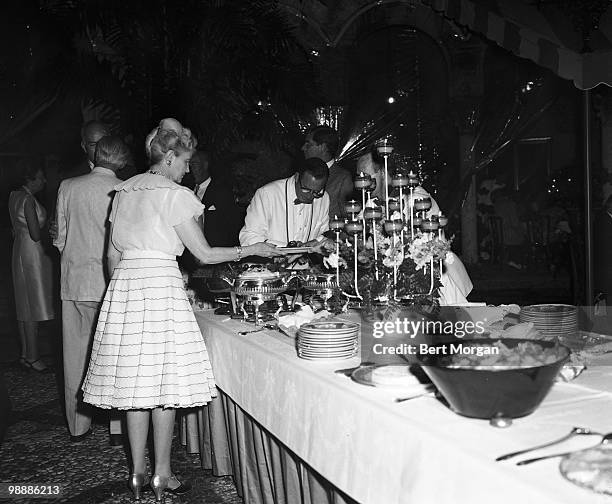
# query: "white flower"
[449,258]
[394,256]
[331,261]
[420,251]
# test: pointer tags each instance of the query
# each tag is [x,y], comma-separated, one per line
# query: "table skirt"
[265,471]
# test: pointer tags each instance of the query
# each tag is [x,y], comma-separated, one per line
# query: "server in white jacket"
[294,209]
[83,205]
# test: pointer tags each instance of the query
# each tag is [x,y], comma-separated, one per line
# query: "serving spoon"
[606,439]
[576,431]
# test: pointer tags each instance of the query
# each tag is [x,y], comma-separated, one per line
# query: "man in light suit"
[83,205]
[322,142]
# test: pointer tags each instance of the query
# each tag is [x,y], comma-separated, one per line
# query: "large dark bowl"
[493,392]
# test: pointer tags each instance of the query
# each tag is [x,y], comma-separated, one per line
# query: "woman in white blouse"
[148,355]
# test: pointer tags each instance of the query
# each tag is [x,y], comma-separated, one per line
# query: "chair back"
[538,236]
[495,226]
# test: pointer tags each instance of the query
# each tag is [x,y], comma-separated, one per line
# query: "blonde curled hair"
[169,135]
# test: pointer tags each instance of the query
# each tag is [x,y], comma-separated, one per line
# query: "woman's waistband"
[146,254]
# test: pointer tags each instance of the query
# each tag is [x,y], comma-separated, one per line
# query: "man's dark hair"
[202,156]
[326,135]
[315,166]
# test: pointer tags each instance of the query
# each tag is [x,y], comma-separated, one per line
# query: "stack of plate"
[552,320]
[328,340]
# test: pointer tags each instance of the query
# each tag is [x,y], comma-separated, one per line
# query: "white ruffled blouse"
[145,210]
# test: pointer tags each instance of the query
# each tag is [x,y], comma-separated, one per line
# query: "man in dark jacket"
[222,218]
[322,142]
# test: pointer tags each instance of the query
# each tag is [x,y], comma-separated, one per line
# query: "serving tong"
[576,431]
[605,439]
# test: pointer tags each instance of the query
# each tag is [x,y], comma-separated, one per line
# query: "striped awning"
[545,37]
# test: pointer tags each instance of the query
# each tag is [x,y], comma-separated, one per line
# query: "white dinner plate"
[329,327]
[344,344]
[328,341]
[295,250]
[326,359]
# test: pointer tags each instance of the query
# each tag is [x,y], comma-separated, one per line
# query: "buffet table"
[291,430]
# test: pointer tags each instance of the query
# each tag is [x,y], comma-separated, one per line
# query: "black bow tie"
[298,202]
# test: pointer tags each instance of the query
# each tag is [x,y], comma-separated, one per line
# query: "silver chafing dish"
[257,292]
[316,281]
[322,287]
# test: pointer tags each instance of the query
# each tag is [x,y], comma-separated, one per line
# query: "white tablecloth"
[378,451]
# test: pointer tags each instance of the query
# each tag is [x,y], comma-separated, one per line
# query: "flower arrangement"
[408,272]
[395,252]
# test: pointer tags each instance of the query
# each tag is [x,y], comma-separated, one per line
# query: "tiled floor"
[37,449]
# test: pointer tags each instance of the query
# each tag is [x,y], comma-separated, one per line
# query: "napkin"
[290,323]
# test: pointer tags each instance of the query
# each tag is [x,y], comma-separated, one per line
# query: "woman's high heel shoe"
[159,484]
[135,483]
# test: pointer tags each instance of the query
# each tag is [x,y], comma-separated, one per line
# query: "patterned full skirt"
[148,350]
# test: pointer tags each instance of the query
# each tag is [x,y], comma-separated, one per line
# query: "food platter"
[388,376]
[590,468]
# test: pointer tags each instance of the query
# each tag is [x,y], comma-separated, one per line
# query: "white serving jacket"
[273,217]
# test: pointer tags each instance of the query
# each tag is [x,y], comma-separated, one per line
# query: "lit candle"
[399,180]
[336,224]
[422,204]
[442,221]
[394,205]
[411,208]
[393,226]
[353,227]
[352,207]
[363,181]
[413,180]
[373,213]
[429,225]
[384,147]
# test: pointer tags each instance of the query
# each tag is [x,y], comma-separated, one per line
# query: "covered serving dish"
[256,293]
[257,279]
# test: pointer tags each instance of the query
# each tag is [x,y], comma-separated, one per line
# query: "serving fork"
[576,431]
[349,371]
[606,439]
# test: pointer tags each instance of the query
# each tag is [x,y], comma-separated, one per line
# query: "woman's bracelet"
[239,253]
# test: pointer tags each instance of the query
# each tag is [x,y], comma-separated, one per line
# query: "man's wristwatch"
[239,253]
